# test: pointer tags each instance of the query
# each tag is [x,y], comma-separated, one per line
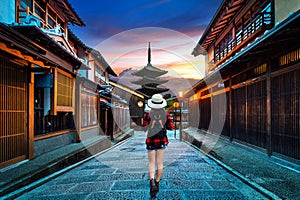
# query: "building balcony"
[263,21]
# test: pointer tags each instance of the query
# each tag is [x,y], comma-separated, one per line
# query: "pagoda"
[149,78]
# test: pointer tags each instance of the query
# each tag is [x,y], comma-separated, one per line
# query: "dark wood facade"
[17,58]
[13,112]
[256,101]
[39,63]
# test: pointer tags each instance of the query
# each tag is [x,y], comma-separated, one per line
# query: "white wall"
[7,11]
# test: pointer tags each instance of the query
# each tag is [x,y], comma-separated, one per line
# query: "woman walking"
[156,140]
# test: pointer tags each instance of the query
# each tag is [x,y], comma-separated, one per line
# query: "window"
[88,109]
[49,18]
[100,75]
[26,3]
[53,19]
[40,9]
[45,119]
[64,90]
[260,69]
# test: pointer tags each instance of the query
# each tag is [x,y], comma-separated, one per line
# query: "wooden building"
[49,80]
[89,85]
[254,46]
[37,88]
[136,103]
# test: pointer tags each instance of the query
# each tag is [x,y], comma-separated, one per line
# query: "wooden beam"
[73,95]
[53,101]
[53,134]
[78,86]
[230,111]
[64,73]
[223,22]
[21,55]
[228,16]
[218,28]
[238,2]
[268,109]
[30,117]
[232,10]
[64,109]
[46,70]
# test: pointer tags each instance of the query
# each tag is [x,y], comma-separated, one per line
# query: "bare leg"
[151,163]
[159,162]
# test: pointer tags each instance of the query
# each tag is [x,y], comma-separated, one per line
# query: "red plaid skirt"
[154,142]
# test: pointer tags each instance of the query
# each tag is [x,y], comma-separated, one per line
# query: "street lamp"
[180,95]
[175,105]
[140,105]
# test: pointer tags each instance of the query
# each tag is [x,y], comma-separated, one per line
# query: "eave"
[147,80]
[36,35]
[22,48]
[98,56]
[65,9]
[149,71]
[149,91]
[221,19]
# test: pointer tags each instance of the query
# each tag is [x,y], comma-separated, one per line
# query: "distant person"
[146,118]
[156,140]
[169,123]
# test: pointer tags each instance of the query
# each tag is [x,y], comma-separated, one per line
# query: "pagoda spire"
[149,54]
[150,78]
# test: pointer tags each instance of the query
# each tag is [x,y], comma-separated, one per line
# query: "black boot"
[157,185]
[153,187]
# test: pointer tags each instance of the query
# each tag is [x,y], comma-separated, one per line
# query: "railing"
[23,12]
[260,22]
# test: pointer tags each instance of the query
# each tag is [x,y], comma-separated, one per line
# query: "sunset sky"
[121,30]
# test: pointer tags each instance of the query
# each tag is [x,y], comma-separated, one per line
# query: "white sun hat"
[157,101]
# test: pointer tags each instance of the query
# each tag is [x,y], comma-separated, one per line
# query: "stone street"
[121,173]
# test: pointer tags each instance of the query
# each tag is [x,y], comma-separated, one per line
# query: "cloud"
[121,30]
[171,50]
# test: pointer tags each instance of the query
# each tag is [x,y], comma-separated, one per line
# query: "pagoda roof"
[149,81]
[149,71]
[148,90]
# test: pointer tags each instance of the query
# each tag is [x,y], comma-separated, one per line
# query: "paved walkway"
[275,176]
[121,173]
[24,173]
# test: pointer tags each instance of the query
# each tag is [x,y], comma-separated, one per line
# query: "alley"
[121,173]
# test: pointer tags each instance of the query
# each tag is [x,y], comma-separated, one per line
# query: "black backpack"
[156,127]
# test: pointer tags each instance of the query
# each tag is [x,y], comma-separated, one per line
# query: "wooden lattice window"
[260,69]
[290,58]
[65,87]
[13,113]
